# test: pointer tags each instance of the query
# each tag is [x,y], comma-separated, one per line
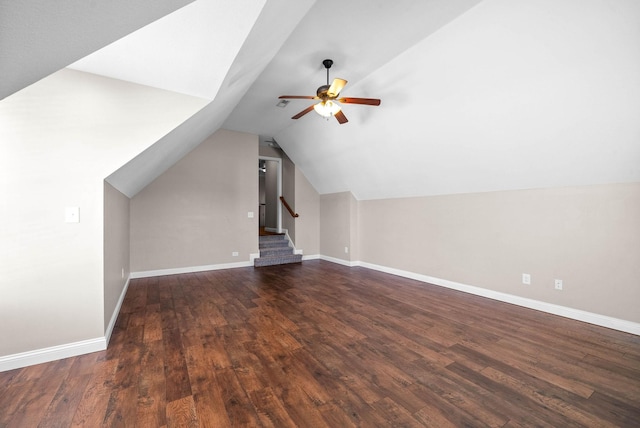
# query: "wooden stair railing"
[286,205]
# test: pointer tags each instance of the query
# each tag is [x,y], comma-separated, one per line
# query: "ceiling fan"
[330,103]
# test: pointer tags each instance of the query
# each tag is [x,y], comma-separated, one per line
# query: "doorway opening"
[269,192]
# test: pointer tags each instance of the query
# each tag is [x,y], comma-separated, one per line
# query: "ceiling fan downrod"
[327,64]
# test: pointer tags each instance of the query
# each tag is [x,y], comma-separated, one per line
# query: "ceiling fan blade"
[298,97]
[303,112]
[366,101]
[336,87]
[341,117]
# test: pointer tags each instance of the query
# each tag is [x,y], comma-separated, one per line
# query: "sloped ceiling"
[39,37]
[510,95]
[188,51]
[476,95]
[259,47]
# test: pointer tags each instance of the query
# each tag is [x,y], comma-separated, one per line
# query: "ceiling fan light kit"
[330,103]
[327,108]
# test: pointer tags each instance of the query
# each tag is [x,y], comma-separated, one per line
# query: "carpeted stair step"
[277,260]
[273,241]
[266,238]
[275,250]
[274,244]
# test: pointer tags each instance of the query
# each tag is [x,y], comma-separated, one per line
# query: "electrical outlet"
[526,278]
[558,284]
[346,250]
[234,254]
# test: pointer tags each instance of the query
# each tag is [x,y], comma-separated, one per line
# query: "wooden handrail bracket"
[286,205]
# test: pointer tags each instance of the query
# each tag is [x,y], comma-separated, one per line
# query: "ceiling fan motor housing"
[322,91]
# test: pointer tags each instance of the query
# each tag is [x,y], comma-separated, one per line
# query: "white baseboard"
[340,261]
[311,257]
[191,269]
[45,355]
[116,311]
[563,311]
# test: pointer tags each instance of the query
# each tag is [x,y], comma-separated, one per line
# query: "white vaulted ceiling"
[509,95]
[476,95]
[188,51]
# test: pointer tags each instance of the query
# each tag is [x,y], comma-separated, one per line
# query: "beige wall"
[307,202]
[337,223]
[354,228]
[195,214]
[59,139]
[116,249]
[587,236]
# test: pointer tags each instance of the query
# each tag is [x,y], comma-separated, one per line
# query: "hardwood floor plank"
[61,409]
[239,408]
[271,411]
[151,386]
[394,415]
[301,409]
[85,364]
[93,404]
[345,407]
[514,363]
[210,408]
[527,408]
[175,368]
[349,369]
[182,413]
[20,400]
[120,412]
[209,402]
[7,378]
[214,345]
[130,358]
[152,323]
[614,410]
[548,397]
[431,416]
[463,402]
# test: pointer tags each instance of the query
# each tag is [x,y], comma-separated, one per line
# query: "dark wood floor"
[319,344]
